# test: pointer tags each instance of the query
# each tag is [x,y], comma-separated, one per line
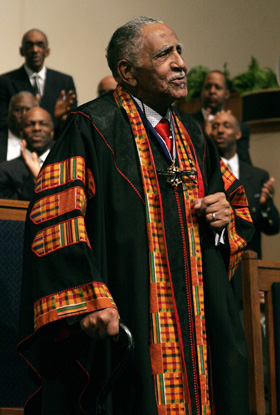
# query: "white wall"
[213,32]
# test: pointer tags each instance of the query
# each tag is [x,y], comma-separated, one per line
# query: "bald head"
[108,83]
[225,133]
[34,48]
[37,130]
[26,36]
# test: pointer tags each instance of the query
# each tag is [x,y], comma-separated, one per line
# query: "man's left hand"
[215,209]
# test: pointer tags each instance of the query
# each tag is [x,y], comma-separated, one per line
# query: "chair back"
[15,385]
[260,275]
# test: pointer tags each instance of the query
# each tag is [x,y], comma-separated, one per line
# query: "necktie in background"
[36,84]
[163,129]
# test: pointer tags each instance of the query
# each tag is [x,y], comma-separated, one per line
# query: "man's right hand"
[102,323]
[63,105]
[32,163]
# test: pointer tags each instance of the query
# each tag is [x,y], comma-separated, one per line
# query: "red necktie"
[164,131]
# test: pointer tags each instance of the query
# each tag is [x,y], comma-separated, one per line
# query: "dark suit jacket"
[15,180]
[3,144]
[253,179]
[17,80]
[242,144]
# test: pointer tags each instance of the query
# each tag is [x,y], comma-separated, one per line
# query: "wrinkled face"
[214,92]
[37,130]
[225,132]
[161,70]
[35,50]
[20,106]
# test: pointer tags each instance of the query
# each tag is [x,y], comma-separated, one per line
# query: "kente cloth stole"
[168,366]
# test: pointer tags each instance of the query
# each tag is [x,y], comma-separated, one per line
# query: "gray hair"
[126,42]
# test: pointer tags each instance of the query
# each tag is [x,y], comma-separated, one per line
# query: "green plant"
[195,77]
[254,79]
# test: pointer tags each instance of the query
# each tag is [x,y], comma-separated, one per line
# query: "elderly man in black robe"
[135,217]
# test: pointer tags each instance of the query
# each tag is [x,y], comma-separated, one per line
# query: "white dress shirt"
[13,149]
[42,157]
[41,78]
[154,118]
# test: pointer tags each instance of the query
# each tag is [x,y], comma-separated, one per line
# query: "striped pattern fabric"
[191,193]
[51,207]
[86,298]
[167,361]
[59,236]
[83,299]
[239,201]
[57,174]
[90,184]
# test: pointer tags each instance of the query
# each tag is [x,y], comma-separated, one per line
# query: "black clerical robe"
[90,244]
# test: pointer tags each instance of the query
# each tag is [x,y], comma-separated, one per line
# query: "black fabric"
[253,179]
[16,182]
[116,225]
[15,383]
[3,143]
[276,316]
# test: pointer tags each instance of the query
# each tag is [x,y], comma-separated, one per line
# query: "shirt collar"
[152,116]
[41,74]
[42,157]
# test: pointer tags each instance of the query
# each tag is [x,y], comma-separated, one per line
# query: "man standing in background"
[52,88]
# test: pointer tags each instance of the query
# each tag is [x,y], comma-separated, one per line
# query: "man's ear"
[238,135]
[126,72]
[21,52]
[227,94]
[47,52]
